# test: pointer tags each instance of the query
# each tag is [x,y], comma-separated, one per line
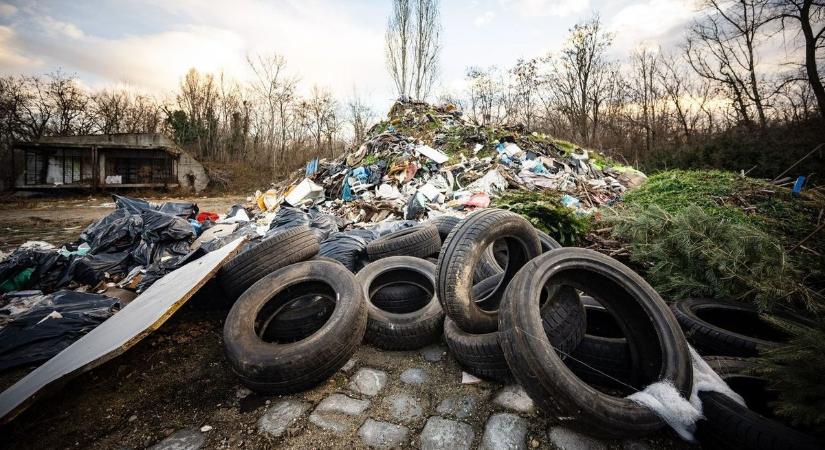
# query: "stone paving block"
[504,431]
[440,433]
[368,381]
[404,407]
[514,398]
[281,415]
[567,439]
[336,413]
[434,353]
[383,435]
[185,439]
[415,375]
[460,407]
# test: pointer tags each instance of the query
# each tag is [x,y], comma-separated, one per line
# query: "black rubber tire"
[710,339]
[657,345]
[729,425]
[285,368]
[490,263]
[603,356]
[279,250]
[409,331]
[420,241]
[482,355]
[298,319]
[445,224]
[401,298]
[478,354]
[461,254]
[547,242]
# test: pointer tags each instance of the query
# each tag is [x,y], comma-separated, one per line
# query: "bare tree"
[809,16]
[579,73]
[722,46]
[413,46]
[359,116]
[276,91]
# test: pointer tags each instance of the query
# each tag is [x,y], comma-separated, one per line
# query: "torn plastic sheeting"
[416,206]
[321,224]
[679,413]
[184,210]
[38,334]
[348,248]
[429,191]
[303,192]
[492,183]
[478,200]
[388,192]
[433,154]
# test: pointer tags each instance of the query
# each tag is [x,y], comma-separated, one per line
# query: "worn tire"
[461,254]
[420,241]
[286,368]
[276,251]
[298,319]
[445,224]
[408,331]
[657,345]
[547,242]
[729,425]
[401,298]
[603,356]
[482,355]
[478,354]
[711,339]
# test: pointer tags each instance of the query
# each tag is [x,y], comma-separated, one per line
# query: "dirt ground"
[178,377]
[61,220]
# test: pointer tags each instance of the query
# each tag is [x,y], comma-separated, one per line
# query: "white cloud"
[650,23]
[484,19]
[544,8]
[11,57]
[59,28]
[7,10]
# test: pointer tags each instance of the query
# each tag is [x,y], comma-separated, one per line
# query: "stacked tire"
[471,328]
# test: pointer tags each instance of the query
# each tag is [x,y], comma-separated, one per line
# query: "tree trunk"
[810,57]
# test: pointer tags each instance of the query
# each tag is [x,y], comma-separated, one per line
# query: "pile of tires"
[578,330]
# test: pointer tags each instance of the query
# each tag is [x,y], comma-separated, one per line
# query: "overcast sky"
[150,44]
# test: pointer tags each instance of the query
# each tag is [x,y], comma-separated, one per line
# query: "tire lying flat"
[272,253]
[271,367]
[743,332]
[401,331]
[420,241]
[729,425]
[657,345]
[464,248]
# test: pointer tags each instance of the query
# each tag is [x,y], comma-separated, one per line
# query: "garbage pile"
[427,161]
[51,297]
[587,338]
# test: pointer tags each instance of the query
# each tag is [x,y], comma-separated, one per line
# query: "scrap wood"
[117,334]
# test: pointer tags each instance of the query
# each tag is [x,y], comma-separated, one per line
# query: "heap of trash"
[424,161]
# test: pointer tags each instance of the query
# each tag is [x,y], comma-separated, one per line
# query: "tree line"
[264,122]
[690,105]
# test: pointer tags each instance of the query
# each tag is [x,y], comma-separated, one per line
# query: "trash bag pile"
[427,161]
[51,297]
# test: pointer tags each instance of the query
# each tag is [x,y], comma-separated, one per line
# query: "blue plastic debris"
[797,187]
[346,191]
[312,167]
[570,202]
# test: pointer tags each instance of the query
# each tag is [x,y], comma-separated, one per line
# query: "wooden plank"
[127,327]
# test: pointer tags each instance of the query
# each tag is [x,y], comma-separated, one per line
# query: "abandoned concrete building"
[106,161]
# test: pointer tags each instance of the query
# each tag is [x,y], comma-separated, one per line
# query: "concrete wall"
[191,174]
[133,139]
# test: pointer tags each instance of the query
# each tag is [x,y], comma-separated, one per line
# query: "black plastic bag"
[184,210]
[118,230]
[349,248]
[159,227]
[53,324]
[321,224]
[92,269]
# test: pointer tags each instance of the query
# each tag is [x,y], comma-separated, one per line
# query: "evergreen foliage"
[544,210]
